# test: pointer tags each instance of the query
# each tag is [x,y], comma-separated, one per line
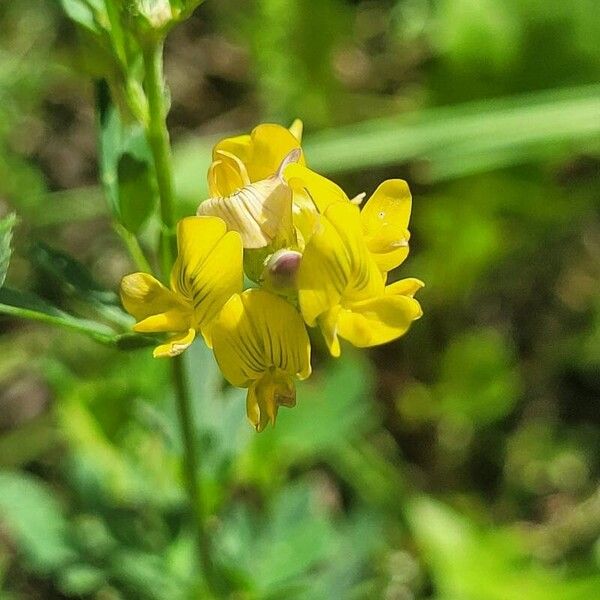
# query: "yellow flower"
[260,343]
[341,288]
[207,272]
[247,187]
[384,217]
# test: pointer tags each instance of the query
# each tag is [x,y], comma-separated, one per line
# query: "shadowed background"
[460,462]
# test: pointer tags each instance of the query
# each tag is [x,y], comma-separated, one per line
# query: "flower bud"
[280,271]
[156,13]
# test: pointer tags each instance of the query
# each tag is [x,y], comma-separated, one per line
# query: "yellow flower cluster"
[315,257]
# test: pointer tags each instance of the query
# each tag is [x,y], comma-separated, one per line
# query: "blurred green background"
[458,463]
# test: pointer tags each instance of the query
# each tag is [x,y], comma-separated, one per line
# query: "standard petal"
[153,305]
[321,192]
[257,331]
[176,345]
[377,321]
[284,338]
[269,145]
[324,272]
[239,145]
[221,277]
[385,219]
[238,353]
[197,237]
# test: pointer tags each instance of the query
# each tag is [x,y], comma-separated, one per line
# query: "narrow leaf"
[6,228]
[84,12]
[29,306]
[135,191]
[70,274]
[126,166]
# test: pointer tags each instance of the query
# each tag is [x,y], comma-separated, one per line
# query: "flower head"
[316,257]
[341,288]
[260,343]
[208,270]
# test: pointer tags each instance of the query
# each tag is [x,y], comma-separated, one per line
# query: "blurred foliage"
[461,462]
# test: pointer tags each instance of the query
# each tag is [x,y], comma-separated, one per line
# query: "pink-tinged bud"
[281,269]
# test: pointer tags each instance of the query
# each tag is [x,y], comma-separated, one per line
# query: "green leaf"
[70,274]
[84,12]
[35,520]
[6,228]
[126,165]
[29,306]
[483,136]
[81,580]
[136,191]
[146,576]
[469,562]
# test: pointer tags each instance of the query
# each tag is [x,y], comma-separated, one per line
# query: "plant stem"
[191,468]
[158,140]
[134,248]
[98,331]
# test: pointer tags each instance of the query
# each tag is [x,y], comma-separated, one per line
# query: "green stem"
[101,333]
[134,248]
[158,140]
[191,468]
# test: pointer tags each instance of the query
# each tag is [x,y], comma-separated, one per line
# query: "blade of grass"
[452,141]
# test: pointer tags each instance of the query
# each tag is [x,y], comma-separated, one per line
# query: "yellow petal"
[296,129]
[405,287]
[260,212]
[377,321]
[321,191]
[208,269]
[177,319]
[175,345]
[239,145]
[265,395]
[336,266]
[257,331]
[386,261]
[153,305]
[269,145]
[365,279]
[385,219]
[324,272]
[221,277]
[226,174]
[329,329]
